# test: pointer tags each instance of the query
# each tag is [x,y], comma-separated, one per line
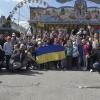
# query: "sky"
[6,6]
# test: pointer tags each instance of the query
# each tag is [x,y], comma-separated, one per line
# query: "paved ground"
[49,85]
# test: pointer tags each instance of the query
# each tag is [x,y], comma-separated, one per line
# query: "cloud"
[17,0]
[2,12]
[24,24]
[13,0]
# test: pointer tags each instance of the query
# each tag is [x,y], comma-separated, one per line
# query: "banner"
[50,53]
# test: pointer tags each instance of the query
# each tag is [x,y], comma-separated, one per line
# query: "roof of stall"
[50,19]
[57,3]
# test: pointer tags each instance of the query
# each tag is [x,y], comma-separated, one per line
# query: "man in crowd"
[8,49]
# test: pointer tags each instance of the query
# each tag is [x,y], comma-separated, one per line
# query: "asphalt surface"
[50,85]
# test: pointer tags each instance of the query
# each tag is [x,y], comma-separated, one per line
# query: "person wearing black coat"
[2,55]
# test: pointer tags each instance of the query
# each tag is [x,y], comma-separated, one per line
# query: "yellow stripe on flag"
[54,56]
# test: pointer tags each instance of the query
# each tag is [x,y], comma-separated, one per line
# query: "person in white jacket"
[75,54]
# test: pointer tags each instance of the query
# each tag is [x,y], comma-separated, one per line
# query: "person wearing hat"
[8,49]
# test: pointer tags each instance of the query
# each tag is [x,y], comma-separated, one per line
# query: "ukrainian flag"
[50,53]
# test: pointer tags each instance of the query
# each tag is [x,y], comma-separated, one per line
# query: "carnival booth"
[77,15]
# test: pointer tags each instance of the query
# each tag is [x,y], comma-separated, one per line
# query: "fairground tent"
[60,3]
[64,1]
[96,1]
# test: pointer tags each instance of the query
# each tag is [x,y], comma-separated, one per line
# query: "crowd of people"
[81,50]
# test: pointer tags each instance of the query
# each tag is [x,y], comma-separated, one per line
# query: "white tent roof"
[54,3]
[96,1]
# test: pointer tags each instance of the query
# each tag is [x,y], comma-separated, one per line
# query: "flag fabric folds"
[50,53]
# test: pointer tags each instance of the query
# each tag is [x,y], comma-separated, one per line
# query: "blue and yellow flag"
[50,53]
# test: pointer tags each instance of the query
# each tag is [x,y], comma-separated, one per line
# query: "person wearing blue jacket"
[80,57]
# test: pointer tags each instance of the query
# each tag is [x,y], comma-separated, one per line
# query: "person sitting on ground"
[96,66]
[30,58]
[22,55]
[15,58]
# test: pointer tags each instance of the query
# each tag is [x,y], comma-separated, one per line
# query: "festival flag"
[50,53]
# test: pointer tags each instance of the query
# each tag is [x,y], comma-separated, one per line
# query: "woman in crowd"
[86,53]
[8,49]
[31,59]
[75,54]
[15,60]
[69,54]
[80,57]
[23,54]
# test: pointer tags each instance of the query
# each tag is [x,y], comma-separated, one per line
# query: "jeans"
[1,64]
[86,62]
[96,65]
[75,62]
[69,61]
[8,61]
[80,61]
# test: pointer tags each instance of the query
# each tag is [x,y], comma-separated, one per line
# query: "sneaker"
[91,70]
